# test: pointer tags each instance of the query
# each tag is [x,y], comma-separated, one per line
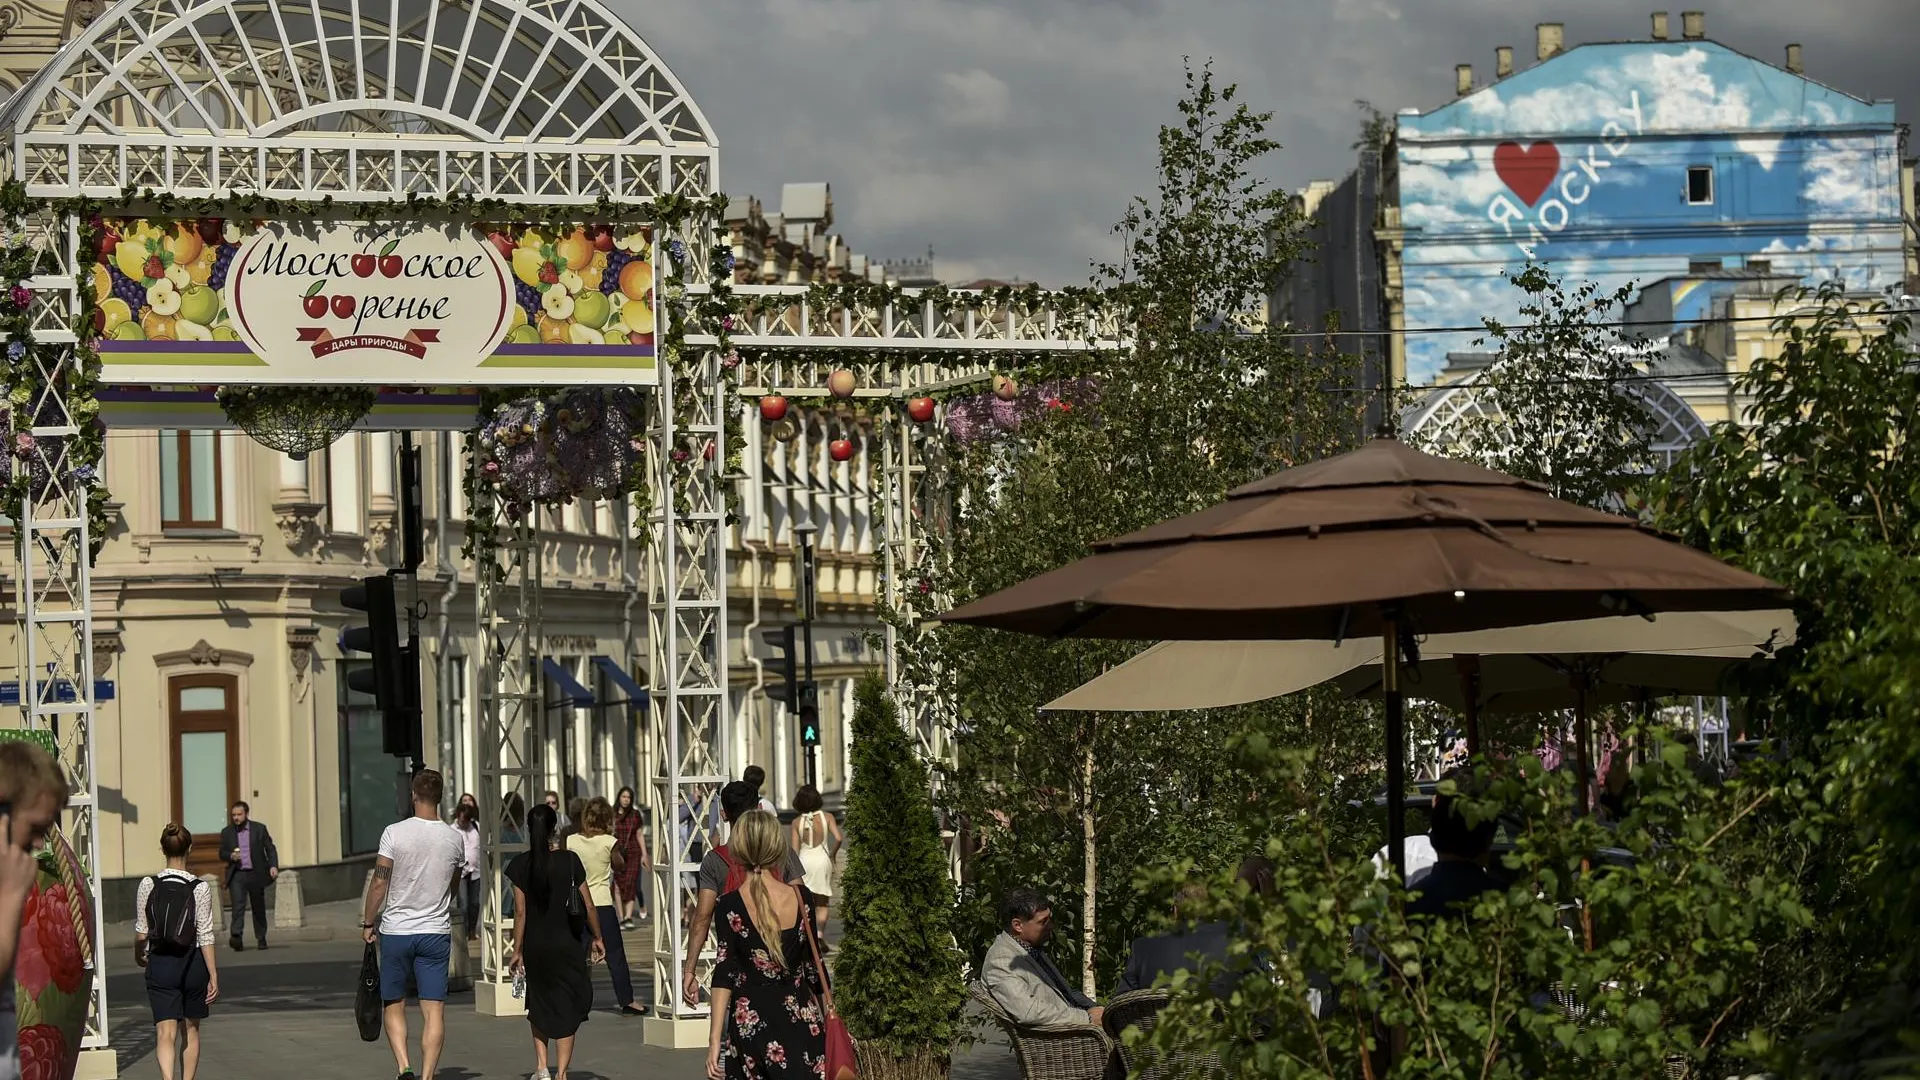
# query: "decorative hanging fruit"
[841,449]
[1005,388]
[842,382]
[773,407]
[921,409]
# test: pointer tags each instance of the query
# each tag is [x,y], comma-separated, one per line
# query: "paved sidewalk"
[336,921]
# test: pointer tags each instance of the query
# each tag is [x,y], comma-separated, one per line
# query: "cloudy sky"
[1009,134]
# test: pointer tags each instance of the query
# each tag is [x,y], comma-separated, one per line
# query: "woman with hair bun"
[173,940]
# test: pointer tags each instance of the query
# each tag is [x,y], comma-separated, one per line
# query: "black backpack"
[171,924]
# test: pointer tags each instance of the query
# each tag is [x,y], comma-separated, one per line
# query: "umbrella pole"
[1470,698]
[1396,741]
[1582,732]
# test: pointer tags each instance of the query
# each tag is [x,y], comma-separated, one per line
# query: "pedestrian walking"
[33,792]
[812,832]
[757,776]
[570,824]
[629,834]
[767,1016]
[600,854]
[466,821]
[409,902]
[513,833]
[246,847]
[173,921]
[550,890]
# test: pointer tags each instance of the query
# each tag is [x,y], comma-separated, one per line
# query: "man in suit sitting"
[246,847]
[1020,975]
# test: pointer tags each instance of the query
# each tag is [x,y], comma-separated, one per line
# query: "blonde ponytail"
[757,844]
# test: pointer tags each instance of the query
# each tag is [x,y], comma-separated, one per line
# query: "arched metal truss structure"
[547,103]
[1441,414]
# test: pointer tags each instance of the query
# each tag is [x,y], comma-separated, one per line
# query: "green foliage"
[1819,488]
[1562,403]
[897,973]
[1677,937]
[1205,398]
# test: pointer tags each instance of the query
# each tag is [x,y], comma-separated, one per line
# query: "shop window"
[370,778]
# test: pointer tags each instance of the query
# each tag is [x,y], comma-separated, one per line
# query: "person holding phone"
[33,791]
[173,920]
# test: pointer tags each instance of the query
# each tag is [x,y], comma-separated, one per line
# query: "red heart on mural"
[1529,171]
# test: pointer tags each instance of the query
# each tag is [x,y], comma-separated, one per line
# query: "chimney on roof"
[1794,63]
[1548,39]
[1502,61]
[1693,25]
[1462,79]
[1659,26]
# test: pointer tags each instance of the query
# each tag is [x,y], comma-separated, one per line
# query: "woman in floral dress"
[767,1019]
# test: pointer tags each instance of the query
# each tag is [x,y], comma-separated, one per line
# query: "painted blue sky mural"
[1630,162]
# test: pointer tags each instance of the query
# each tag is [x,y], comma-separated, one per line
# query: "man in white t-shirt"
[412,894]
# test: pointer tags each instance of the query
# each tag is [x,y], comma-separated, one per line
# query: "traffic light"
[809,711]
[784,667]
[393,678]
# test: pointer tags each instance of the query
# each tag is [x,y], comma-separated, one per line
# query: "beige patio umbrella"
[1677,652]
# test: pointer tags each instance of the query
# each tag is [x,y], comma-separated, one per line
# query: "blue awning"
[571,692]
[637,697]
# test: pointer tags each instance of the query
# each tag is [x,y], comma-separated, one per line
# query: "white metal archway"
[550,104]
[1441,414]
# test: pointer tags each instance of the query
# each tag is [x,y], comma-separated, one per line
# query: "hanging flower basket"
[296,420]
[984,415]
[572,444]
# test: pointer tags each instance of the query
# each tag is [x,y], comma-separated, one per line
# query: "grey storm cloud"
[1009,135]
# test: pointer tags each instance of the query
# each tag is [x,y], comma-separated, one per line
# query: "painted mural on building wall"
[1633,162]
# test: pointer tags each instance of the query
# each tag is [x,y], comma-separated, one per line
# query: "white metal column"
[55,638]
[511,751]
[687,643]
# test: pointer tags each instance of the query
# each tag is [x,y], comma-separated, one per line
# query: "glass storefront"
[370,778]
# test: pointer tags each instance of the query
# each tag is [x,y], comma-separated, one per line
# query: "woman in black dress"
[767,1019]
[546,941]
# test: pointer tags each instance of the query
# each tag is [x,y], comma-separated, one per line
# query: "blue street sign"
[63,691]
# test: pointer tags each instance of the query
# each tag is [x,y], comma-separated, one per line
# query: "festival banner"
[212,301]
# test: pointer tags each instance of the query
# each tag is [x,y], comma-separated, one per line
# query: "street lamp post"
[807,707]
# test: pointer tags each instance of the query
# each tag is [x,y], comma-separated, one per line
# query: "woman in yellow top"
[595,846]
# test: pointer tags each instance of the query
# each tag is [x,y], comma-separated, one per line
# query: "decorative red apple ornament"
[315,306]
[365,263]
[773,407]
[920,408]
[343,306]
[602,238]
[1005,388]
[391,264]
[841,383]
[840,449]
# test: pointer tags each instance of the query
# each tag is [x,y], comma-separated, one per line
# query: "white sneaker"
[541,1075]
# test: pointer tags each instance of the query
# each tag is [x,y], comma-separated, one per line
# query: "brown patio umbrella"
[1381,542]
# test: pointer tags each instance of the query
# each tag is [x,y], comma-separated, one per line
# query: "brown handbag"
[840,1060]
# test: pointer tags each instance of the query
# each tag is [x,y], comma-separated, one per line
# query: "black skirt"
[177,986]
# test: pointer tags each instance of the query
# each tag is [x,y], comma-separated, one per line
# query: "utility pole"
[808,705]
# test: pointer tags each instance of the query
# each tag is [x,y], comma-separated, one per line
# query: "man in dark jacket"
[246,847]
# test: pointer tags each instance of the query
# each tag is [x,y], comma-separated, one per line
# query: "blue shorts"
[420,959]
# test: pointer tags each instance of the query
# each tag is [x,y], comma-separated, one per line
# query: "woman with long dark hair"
[629,828]
[546,940]
[594,845]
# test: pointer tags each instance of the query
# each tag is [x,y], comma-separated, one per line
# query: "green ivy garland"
[678,222]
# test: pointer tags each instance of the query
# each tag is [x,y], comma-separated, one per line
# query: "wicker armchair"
[1141,1009]
[1050,1053]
